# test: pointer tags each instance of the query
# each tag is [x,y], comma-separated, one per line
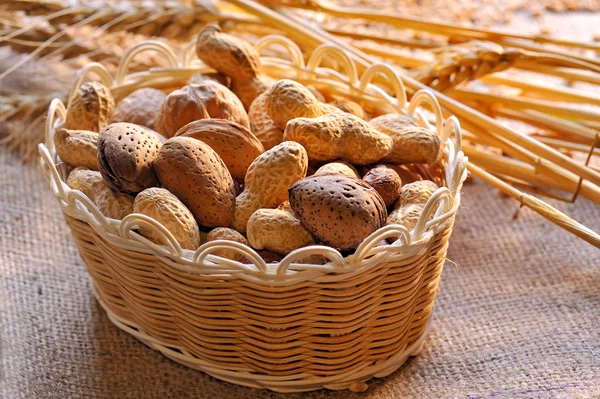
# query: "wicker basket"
[287,326]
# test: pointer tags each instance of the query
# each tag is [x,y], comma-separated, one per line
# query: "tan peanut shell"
[318,95]
[268,179]
[338,168]
[418,192]
[141,107]
[235,144]
[262,125]
[225,233]
[91,108]
[85,180]
[278,230]
[233,57]
[339,210]
[412,200]
[288,99]
[168,210]
[77,147]
[350,107]
[412,143]
[208,99]
[126,153]
[339,135]
[386,182]
[216,76]
[196,174]
[112,204]
[408,216]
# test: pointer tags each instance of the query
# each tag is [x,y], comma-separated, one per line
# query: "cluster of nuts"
[233,156]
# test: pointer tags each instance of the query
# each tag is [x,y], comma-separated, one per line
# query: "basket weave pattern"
[290,326]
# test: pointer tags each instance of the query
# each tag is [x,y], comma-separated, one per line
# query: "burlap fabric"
[518,316]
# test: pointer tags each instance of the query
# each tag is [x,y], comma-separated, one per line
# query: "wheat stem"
[540,207]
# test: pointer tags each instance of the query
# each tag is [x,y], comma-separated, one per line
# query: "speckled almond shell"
[141,107]
[126,153]
[339,135]
[208,99]
[196,174]
[386,182]
[339,210]
[268,179]
[288,99]
[162,206]
[262,125]
[91,108]
[235,144]
[412,143]
[77,147]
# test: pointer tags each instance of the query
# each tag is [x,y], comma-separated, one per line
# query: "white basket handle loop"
[428,97]
[442,195]
[333,255]
[460,172]
[136,220]
[75,196]
[48,163]
[391,75]
[188,54]
[98,69]
[331,50]
[149,45]
[209,247]
[56,109]
[291,47]
[391,230]
[453,126]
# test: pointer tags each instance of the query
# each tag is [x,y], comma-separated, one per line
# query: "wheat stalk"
[463,63]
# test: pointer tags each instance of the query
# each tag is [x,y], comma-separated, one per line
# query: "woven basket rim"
[442,205]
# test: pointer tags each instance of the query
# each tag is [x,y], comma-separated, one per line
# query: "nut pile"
[235,156]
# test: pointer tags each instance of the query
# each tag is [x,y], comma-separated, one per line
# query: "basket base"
[354,381]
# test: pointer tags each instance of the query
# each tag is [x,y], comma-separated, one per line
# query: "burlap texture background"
[518,316]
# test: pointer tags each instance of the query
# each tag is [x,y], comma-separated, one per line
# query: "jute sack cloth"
[517,316]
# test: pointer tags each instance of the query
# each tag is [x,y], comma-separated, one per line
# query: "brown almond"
[141,107]
[339,210]
[386,182]
[196,174]
[235,144]
[208,99]
[126,153]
